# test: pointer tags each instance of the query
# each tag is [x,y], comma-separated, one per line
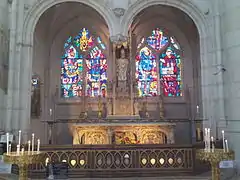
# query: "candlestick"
[7,142]
[226,145]
[224,148]
[38,145]
[32,142]
[19,137]
[29,145]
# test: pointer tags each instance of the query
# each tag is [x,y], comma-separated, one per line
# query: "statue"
[136,108]
[122,66]
[35,97]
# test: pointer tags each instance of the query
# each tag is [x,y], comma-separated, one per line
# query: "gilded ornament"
[215,158]
[23,160]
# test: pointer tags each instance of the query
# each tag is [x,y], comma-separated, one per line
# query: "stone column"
[12,110]
[24,76]
[25,97]
[114,79]
[131,64]
[3,60]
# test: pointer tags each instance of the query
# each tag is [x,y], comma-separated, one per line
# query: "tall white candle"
[29,145]
[226,145]
[22,151]
[213,147]
[10,148]
[224,148]
[18,149]
[208,140]
[197,109]
[50,112]
[19,137]
[38,145]
[7,142]
[32,142]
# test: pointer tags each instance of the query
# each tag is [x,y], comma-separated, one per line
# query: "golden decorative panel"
[122,134]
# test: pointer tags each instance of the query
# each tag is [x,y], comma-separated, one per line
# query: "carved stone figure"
[35,103]
[122,66]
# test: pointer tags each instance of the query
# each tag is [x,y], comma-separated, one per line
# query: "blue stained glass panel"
[96,73]
[146,73]
[71,73]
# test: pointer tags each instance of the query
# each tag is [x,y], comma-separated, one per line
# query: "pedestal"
[23,160]
[214,158]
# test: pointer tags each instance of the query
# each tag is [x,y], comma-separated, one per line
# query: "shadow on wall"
[63,134]
[39,129]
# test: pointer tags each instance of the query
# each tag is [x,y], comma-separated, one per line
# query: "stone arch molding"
[186,6]
[40,7]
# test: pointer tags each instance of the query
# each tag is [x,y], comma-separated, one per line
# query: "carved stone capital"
[119,40]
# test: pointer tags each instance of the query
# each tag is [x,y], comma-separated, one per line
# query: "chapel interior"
[118,108]
[109,88]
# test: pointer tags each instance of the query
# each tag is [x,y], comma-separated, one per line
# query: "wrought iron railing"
[126,158]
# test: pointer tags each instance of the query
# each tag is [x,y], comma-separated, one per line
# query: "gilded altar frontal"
[124,84]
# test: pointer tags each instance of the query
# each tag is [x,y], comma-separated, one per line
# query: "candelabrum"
[214,158]
[23,160]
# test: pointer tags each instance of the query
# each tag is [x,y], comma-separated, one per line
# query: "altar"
[123,133]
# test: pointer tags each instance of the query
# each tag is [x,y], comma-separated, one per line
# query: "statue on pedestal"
[122,69]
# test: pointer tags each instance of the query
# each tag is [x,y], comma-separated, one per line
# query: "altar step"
[14,177]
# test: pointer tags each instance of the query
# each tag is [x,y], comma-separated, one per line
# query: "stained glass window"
[170,72]
[83,66]
[146,72]
[164,52]
[96,70]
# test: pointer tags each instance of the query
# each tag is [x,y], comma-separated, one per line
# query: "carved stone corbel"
[119,12]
